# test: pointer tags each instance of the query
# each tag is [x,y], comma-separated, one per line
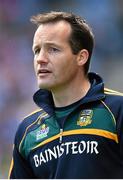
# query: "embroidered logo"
[85,117]
[42,133]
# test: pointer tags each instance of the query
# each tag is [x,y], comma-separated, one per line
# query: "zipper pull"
[60,138]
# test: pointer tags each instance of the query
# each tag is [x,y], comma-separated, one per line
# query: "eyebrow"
[46,43]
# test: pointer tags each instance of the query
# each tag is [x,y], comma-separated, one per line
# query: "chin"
[48,85]
[44,86]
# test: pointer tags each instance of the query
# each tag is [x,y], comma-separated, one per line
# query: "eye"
[53,50]
[36,51]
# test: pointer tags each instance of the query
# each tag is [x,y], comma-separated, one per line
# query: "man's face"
[54,63]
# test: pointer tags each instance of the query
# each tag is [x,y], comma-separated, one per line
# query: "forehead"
[52,31]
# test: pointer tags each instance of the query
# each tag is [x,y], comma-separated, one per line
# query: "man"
[77,132]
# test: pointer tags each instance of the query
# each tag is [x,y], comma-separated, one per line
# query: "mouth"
[43,72]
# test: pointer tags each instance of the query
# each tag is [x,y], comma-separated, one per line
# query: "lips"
[43,71]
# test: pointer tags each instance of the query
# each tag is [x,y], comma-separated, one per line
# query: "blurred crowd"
[17,79]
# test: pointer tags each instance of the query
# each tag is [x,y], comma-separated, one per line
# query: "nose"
[42,57]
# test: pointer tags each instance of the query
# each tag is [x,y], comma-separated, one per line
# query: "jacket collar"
[43,98]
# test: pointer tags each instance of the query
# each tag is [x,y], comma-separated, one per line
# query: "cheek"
[66,68]
[61,68]
[35,65]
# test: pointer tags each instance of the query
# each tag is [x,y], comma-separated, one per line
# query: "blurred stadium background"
[17,80]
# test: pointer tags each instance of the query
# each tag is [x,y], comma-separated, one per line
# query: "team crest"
[85,117]
[42,133]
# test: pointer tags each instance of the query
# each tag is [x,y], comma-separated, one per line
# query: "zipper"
[61,133]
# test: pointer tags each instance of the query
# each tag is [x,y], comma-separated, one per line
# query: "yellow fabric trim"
[47,141]
[116,94]
[32,113]
[98,132]
[26,131]
[110,91]
[10,169]
[109,111]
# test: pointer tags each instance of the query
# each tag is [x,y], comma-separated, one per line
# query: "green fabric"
[97,118]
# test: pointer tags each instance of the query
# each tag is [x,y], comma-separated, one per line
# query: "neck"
[71,93]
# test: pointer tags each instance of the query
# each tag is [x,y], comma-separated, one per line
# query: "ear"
[82,57]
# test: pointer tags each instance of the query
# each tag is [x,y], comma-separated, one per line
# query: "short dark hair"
[81,36]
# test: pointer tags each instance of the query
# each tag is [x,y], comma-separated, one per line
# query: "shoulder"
[113,96]
[113,102]
[27,124]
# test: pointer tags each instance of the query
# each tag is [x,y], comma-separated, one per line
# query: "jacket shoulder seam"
[106,106]
[42,114]
[32,113]
[112,92]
